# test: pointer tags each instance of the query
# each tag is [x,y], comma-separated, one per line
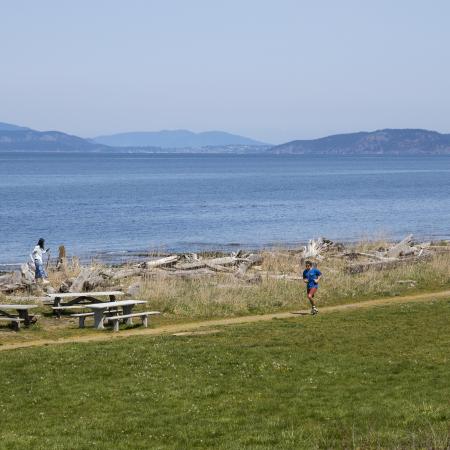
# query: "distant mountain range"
[14,138]
[10,127]
[380,142]
[174,139]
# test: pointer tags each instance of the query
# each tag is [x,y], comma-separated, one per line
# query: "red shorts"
[311,291]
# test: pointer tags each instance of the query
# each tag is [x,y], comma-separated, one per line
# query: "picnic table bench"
[109,312]
[129,317]
[15,319]
[78,299]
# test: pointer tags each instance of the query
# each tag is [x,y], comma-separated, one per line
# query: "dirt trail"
[193,326]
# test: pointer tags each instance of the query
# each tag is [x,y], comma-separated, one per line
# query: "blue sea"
[116,206]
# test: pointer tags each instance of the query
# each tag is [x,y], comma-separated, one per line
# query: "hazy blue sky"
[272,70]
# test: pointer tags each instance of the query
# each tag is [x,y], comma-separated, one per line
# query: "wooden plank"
[127,316]
[87,314]
[84,294]
[18,307]
[82,314]
[62,307]
[14,321]
[108,305]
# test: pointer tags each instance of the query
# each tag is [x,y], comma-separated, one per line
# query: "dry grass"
[224,295]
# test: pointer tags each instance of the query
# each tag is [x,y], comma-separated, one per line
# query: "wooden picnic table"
[100,309]
[22,314]
[79,298]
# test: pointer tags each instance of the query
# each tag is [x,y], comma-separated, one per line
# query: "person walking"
[311,277]
[36,255]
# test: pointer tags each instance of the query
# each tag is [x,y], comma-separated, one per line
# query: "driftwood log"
[250,261]
[403,248]
[381,265]
[92,278]
[162,262]
[10,282]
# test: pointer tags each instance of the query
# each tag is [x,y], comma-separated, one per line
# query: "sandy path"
[196,326]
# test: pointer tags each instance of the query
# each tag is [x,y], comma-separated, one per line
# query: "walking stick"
[48,260]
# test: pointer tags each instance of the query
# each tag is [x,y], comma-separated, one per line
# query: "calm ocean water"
[109,205]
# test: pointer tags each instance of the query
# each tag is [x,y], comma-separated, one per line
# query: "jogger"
[311,277]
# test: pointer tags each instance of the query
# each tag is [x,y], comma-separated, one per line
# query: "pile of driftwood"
[181,266]
[406,251]
[236,265]
[19,280]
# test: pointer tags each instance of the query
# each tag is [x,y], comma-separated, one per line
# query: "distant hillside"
[10,127]
[44,141]
[388,141]
[174,139]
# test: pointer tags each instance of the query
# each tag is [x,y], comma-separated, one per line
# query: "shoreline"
[118,258]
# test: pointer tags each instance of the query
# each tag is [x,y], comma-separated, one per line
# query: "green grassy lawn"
[375,378]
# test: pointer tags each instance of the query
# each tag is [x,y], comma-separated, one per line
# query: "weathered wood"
[81,294]
[108,305]
[14,322]
[214,263]
[11,282]
[188,274]
[162,262]
[250,261]
[79,299]
[129,318]
[61,263]
[191,265]
[82,318]
[18,307]
[225,261]
[126,273]
[90,279]
[78,283]
[218,268]
[101,308]
[367,255]
[28,276]
[315,247]
[380,265]
[126,316]
[68,307]
[403,248]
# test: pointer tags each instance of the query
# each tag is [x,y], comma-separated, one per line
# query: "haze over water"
[99,203]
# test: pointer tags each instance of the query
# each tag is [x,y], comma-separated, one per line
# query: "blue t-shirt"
[312,275]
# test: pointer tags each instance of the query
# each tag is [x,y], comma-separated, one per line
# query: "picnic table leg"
[23,314]
[57,302]
[98,319]
[128,309]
